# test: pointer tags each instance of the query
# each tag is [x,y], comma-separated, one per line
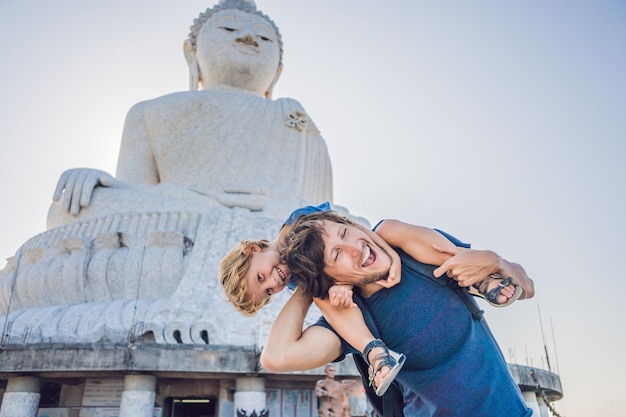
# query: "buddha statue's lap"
[197,172]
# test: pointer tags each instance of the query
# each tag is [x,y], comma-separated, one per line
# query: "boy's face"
[266,276]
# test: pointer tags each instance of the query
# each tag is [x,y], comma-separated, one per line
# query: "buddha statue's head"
[233,44]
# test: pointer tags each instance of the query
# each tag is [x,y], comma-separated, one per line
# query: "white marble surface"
[197,172]
[137,404]
[249,402]
[19,404]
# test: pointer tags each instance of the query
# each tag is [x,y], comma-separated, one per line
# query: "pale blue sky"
[500,122]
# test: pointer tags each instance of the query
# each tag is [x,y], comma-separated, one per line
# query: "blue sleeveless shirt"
[454,367]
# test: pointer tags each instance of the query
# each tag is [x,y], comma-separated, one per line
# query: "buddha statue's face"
[238,49]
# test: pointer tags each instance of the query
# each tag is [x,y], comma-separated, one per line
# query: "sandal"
[393,360]
[492,296]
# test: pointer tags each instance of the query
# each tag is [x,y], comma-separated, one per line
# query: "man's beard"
[381,276]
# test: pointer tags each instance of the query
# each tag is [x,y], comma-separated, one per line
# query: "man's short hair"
[304,252]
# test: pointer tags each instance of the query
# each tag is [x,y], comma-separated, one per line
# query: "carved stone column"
[250,398]
[530,398]
[544,411]
[138,396]
[21,398]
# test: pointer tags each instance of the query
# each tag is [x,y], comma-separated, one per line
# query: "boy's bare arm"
[467,266]
[416,241]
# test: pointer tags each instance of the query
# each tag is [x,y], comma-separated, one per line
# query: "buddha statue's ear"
[268,93]
[192,62]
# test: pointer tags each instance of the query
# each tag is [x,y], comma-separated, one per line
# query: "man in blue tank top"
[454,366]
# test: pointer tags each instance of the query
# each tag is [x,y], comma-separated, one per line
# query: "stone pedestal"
[138,396]
[543,407]
[21,398]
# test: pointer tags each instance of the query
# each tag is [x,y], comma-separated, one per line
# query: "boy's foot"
[384,365]
[497,291]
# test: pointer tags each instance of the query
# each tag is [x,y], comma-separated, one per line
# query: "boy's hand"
[395,271]
[396,266]
[341,296]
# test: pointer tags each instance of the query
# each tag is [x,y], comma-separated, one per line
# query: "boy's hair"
[232,277]
[304,252]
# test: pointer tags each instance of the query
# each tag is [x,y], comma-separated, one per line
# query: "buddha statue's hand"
[76,187]
[251,200]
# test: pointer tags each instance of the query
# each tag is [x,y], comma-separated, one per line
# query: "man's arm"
[288,348]
[468,266]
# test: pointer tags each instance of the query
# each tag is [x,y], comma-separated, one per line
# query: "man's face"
[330,372]
[351,257]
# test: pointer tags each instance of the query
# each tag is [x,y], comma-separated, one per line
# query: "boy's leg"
[497,290]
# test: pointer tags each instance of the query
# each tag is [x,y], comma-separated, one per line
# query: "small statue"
[333,395]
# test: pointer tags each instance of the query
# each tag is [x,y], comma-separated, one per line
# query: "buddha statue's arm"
[136,162]
[135,165]
[76,187]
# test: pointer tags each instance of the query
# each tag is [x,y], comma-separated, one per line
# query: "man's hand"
[239,198]
[468,266]
[341,296]
[79,184]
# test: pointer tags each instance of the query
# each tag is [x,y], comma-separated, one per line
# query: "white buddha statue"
[197,172]
[229,140]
